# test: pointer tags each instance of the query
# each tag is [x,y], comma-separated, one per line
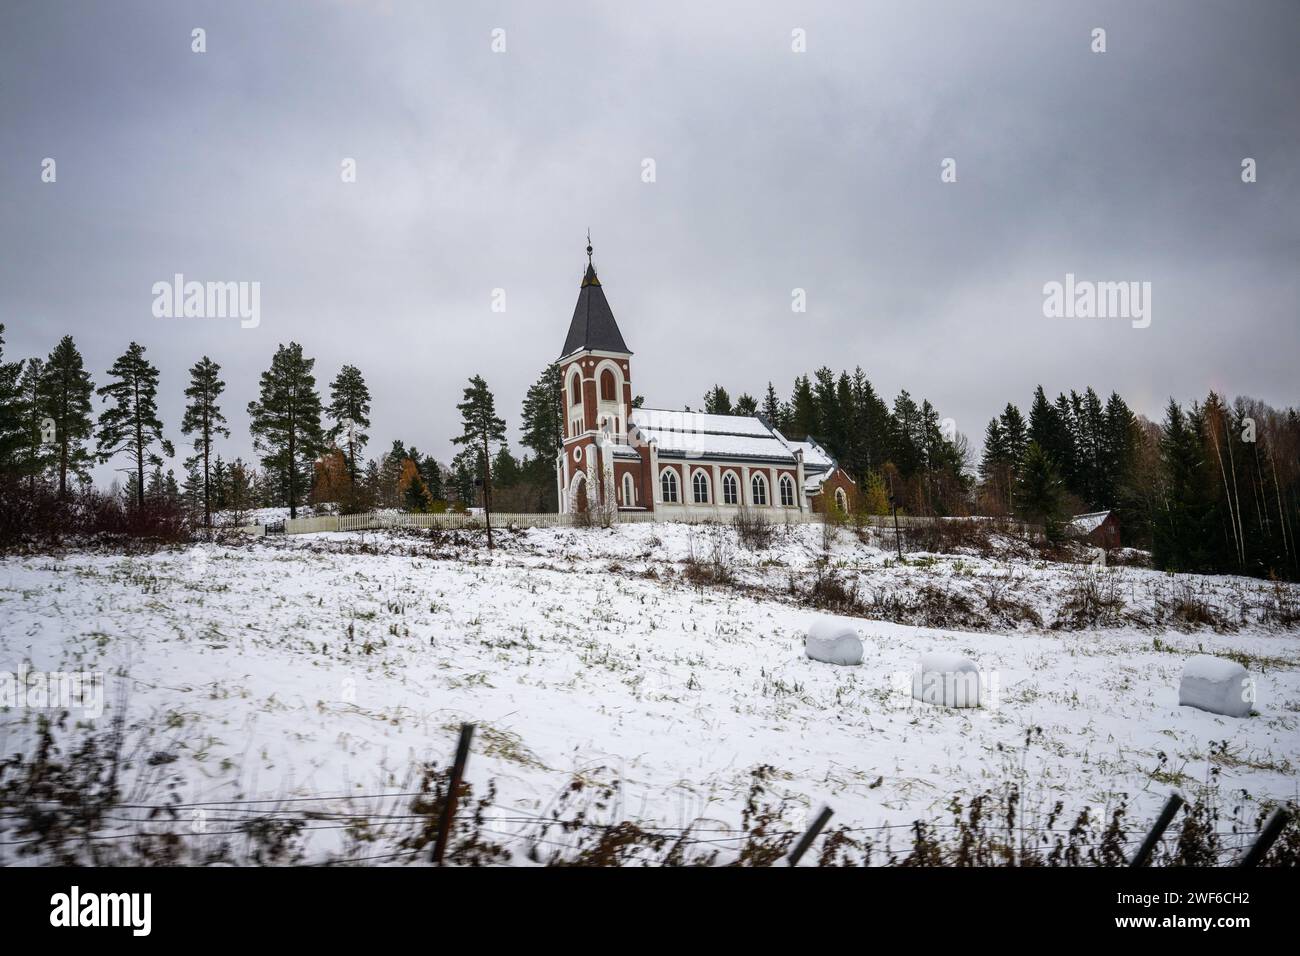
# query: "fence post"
[1273,828]
[449,806]
[805,841]
[1157,830]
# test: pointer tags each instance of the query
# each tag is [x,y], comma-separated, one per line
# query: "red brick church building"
[674,464]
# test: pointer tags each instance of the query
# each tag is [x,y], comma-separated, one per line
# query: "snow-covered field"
[329,665]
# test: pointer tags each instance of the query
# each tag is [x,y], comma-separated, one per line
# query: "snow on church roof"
[815,457]
[697,435]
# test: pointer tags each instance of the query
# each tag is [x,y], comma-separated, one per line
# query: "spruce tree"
[1040,494]
[801,421]
[746,404]
[905,430]
[36,455]
[13,416]
[480,430]
[203,419]
[349,407]
[432,473]
[130,425]
[542,416]
[772,407]
[64,394]
[285,422]
[717,401]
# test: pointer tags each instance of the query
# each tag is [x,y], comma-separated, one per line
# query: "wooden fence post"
[1273,828]
[805,841]
[1157,830]
[449,806]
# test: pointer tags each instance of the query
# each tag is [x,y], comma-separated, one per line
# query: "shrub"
[753,530]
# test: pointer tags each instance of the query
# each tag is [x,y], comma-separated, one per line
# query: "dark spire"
[593,325]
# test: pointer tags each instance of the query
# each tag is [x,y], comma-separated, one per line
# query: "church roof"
[815,457]
[593,326]
[697,435]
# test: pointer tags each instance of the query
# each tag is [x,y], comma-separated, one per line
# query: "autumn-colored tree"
[412,491]
[331,482]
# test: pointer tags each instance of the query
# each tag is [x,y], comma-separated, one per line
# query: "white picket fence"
[380,520]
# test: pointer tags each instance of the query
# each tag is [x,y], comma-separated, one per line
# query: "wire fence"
[520,830]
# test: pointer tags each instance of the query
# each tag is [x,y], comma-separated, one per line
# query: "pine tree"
[64,395]
[204,420]
[481,429]
[349,407]
[130,425]
[746,404]
[286,424]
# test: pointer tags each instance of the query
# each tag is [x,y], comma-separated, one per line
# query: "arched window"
[787,492]
[729,488]
[629,491]
[700,488]
[575,389]
[841,500]
[668,485]
[608,388]
[759,488]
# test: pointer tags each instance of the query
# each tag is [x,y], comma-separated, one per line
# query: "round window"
[577,453]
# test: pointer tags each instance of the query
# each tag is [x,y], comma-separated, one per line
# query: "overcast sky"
[774,170]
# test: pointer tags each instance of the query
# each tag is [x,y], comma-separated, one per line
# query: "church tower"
[596,396]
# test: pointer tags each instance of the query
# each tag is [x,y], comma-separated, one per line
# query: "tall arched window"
[841,500]
[759,488]
[700,488]
[575,389]
[608,387]
[787,492]
[629,491]
[668,485]
[729,488]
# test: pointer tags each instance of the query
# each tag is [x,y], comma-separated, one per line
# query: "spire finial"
[588,245]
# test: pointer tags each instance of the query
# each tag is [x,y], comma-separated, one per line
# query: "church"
[673,465]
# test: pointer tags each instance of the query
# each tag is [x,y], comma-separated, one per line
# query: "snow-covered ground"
[331,664]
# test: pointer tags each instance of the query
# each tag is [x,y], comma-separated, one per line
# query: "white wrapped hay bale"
[949,680]
[1217,685]
[833,642]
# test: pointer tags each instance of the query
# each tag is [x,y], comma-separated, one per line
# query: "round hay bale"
[831,641]
[947,680]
